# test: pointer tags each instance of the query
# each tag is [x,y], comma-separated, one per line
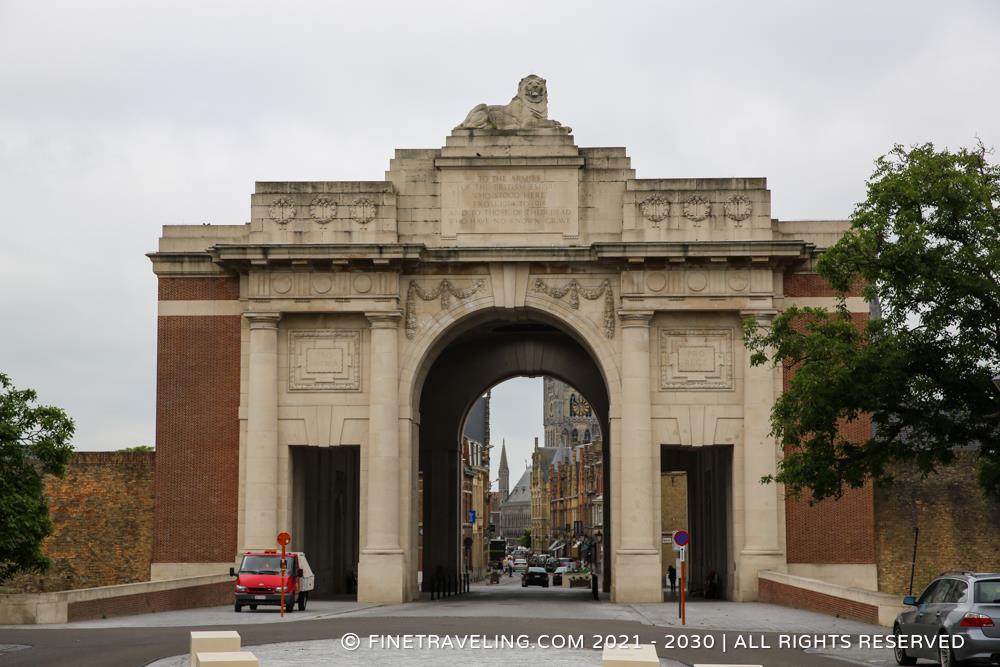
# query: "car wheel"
[900,654]
[289,606]
[238,607]
[947,657]
[302,601]
[253,607]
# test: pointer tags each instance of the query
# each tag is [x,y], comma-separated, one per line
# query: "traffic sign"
[681,538]
[284,539]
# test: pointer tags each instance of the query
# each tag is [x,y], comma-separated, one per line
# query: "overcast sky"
[117,118]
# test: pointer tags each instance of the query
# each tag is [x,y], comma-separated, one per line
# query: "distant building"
[504,473]
[515,511]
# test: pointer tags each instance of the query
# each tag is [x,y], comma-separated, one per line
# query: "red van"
[258,581]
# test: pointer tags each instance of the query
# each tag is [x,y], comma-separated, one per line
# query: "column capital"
[262,320]
[635,318]
[384,319]
[762,317]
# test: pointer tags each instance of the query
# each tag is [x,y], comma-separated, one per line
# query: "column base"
[382,577]
[749,563]
[637,577]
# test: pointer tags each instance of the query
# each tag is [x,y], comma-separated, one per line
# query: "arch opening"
[464,366]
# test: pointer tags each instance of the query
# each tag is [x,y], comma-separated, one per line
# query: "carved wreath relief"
[655,209]
[738,209]
[696,209]
[444,291]
[363,211]
[696,359]
[281,211]
[575,290]
[324,360]
[323,210]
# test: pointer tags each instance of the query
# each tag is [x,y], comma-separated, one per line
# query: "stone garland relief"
[322,210]
[281,211]
[444,292]
[655,209]
[324,360]
[696,359]
[696,209]
[363,211]
[575,290]
[738,209]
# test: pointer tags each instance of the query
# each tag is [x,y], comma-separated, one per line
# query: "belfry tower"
[504,473]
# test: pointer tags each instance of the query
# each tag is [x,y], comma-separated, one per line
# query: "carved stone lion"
[528,109]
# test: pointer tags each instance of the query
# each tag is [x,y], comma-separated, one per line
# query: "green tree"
[925,247]
[139,448]
[525,539]
[34,442]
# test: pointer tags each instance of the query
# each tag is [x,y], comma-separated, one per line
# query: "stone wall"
[102,516]
[800,598]
[958,525]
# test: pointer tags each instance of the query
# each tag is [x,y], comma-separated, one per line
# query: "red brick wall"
[800,598]
[197,430]
[841,531]
[102,523]
[199,289]
[209,595]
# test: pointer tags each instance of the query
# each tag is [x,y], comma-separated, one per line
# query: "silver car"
[955,620]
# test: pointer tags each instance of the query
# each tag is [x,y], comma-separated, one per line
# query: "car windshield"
[537,570]
[988,591]
[265,564]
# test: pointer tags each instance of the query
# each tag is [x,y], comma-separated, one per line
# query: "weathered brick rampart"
[102,516]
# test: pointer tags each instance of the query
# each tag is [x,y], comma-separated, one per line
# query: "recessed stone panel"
[696,359]
[324,360]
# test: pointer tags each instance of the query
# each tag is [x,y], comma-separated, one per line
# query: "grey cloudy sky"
[119,117]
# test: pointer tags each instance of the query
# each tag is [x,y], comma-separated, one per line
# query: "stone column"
[260,493]
[381,575]
[637,559]
[762,546]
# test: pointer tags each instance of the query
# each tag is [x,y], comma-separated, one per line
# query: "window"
[586,435]
[576,436]
[930,591]
[988,591]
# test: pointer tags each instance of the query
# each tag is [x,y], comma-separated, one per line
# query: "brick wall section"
[225,288]
[811,284]
[958,525]
[831,532]
[800,598]
[209,595]
[102,523]
[197,438]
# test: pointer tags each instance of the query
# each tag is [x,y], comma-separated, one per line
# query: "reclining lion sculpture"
[528,109]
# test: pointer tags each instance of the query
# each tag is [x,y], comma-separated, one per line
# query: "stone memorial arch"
[312,360]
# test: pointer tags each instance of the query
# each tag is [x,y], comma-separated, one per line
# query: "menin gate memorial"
[312,360]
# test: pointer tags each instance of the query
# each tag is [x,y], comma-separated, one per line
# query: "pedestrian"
[593,584]
[672,578]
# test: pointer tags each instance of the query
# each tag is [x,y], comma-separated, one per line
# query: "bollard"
[631,656]
[228,659]
[210,642]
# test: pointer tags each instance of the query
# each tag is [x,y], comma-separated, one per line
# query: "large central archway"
[478,353]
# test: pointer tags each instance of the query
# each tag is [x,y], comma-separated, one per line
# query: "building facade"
[338,339]
[515,511]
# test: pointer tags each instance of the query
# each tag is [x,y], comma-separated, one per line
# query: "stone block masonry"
[102,515]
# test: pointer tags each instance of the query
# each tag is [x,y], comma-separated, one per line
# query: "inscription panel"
[324,360]
[696,359]
[509,201]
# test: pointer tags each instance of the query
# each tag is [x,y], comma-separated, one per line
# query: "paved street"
[313,637]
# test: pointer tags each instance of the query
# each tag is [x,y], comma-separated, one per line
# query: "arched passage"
[493,348]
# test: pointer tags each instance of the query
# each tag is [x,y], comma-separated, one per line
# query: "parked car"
[557,576]
[520,564]
[259,582]
[535,576]
[551,564]
[955,603]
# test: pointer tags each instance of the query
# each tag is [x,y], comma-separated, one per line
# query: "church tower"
[504,473]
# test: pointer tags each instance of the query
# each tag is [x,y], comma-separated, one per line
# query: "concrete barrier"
[202,642]
[228,659]
[629,656]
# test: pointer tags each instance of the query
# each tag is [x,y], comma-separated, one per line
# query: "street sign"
[472,517]
[681,538]
[284,539]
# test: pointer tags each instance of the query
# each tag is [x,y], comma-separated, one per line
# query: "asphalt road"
[138,646]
